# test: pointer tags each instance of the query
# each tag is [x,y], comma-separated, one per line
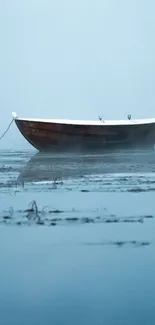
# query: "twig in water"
[33,213]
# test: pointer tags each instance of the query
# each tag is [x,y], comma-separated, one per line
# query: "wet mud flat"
[78,240]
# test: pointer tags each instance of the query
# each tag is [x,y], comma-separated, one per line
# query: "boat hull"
[48,136]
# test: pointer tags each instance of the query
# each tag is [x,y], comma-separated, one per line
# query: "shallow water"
[77,238]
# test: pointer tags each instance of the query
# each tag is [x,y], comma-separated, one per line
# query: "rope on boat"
[7,129]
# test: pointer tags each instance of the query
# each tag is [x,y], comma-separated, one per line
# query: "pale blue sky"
[76,59]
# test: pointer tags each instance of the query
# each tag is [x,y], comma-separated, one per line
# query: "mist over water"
[77,232]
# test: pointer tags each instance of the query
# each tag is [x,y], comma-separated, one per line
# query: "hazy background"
[75,59]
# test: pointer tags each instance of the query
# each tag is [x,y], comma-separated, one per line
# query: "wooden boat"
[77,135]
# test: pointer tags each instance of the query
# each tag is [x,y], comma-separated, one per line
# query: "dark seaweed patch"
[40,222]
[140,190]
[141,220]
[87,220]
[7,217]
[53,224]
[72,219]
[56,219]
[144,244]
[148,217]
[111,220]
[120,244]
[18,223]
[56,211]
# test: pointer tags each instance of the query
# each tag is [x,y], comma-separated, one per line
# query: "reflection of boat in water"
[50,167]
[47,166]
[69,135]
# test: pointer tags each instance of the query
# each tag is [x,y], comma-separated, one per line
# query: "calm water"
[77,238]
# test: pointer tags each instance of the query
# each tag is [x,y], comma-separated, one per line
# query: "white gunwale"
[88,122]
